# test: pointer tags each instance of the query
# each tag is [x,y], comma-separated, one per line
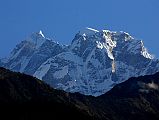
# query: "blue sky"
[62,19]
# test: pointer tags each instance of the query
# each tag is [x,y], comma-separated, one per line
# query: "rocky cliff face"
[92,64]
[31,53]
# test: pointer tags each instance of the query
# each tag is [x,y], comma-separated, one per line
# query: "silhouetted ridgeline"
[24,98]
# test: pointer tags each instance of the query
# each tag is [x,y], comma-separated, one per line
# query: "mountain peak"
[93,63]
[88,31]
[37,38]
[41,33]
[37,34]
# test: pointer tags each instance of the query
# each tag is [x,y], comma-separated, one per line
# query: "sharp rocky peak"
[37,38]
[41,33]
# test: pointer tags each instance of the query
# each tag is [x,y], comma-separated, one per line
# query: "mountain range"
[23,97]
[92,64]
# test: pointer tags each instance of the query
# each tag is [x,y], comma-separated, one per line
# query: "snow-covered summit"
[92,64]
[108,40]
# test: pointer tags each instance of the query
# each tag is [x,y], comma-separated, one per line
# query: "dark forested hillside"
[24,97]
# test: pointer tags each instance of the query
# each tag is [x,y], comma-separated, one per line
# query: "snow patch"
[41,33]
[84,36]
[88,31]
[99,45]
[92,29]
[145,53]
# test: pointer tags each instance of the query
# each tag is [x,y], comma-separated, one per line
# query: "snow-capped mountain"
[93,63]
[31,53]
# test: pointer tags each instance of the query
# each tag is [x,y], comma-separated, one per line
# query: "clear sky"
[62,19]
